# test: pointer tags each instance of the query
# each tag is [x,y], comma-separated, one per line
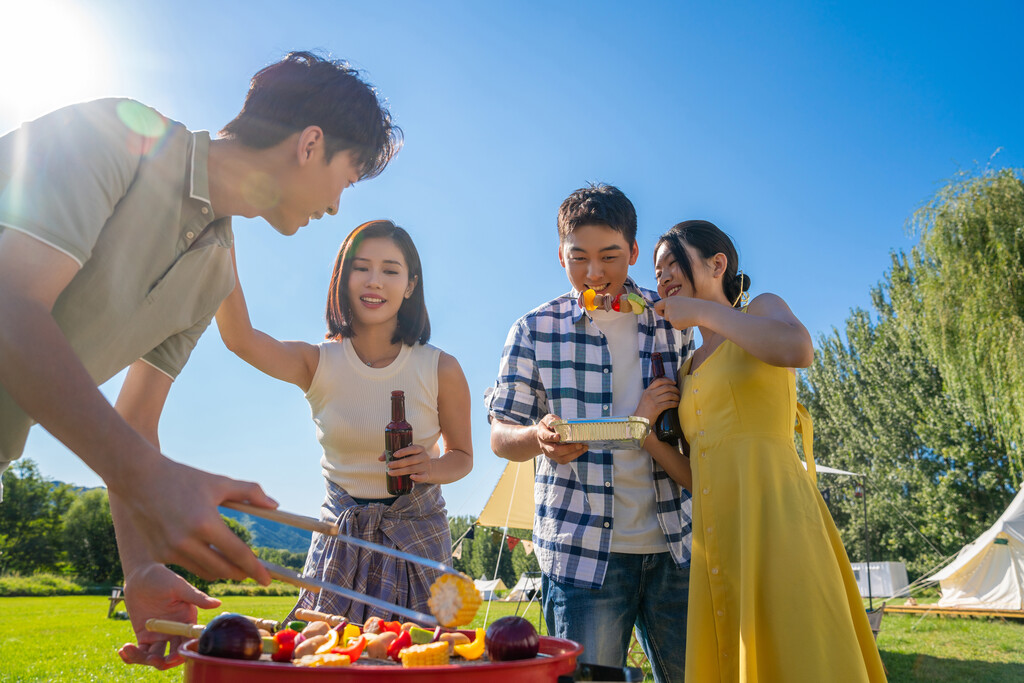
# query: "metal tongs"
[315,585]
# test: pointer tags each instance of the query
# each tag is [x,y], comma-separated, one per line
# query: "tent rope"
[504,534]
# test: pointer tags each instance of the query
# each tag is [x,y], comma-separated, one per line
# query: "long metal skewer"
[316,585]
[311,524]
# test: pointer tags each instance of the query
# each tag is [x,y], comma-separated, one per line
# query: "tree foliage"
[32,520]
[966,295]
[89,538]
[935,477]
[480,554]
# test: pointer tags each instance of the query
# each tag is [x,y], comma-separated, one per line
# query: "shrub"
[251,588]
[34,585]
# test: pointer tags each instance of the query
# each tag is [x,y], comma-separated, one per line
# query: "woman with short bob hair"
[376,344]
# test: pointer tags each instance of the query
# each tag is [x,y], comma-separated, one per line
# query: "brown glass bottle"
[666,427]
[397,435]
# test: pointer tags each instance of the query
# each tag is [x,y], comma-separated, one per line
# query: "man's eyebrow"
[611,247]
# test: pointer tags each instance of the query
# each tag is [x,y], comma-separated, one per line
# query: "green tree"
[935,477]
[521,562]
[285,558]
[967,300]
[458,526]
[32,520]
[238,529]
[89,538]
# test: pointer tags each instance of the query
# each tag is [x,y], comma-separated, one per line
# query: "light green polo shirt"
[125,193]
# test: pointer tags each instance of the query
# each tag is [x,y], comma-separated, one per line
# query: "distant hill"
[268,534]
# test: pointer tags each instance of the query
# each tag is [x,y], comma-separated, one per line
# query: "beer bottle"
[397,435]
[666,427]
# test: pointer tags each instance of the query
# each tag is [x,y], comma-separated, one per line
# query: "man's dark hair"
[305,90]
[597,204]
[413,322]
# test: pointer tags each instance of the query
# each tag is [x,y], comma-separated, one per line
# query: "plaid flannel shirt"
[557,361]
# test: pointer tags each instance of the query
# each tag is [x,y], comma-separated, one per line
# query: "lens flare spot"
[261,191]
[141,119]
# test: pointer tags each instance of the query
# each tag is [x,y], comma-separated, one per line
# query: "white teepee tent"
[488,589]
[989,572]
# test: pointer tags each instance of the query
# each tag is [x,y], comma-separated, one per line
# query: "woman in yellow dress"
[772,594]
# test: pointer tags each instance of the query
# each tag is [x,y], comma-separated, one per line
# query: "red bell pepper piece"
[403,641]
[285,645]
[393,626]
[353,651]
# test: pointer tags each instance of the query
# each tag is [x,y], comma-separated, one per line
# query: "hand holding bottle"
[665,396]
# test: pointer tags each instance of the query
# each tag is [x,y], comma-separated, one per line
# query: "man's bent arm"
[514,442]
[175,505]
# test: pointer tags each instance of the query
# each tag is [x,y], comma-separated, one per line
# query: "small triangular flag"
[457,553]
[528,547]
[496,537]
[471,532]
[512,541]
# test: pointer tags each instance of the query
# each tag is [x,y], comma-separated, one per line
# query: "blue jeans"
[649,591]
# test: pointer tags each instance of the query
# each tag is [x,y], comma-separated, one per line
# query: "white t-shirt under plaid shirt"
[557,361]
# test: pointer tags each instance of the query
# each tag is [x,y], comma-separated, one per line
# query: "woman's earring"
[743,298]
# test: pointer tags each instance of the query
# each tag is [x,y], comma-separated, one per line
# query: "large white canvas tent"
[526,588]
[989,572]
[489,588]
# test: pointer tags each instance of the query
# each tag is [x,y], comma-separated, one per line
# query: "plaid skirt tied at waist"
[415,523]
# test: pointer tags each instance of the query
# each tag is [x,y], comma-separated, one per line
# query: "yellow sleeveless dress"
[772,594]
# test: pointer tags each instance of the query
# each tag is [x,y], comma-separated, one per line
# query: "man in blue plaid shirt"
[611,528]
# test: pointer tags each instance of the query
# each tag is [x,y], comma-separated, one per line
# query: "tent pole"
[867,543]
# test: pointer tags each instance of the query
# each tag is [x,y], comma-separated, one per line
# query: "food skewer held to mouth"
[590,300]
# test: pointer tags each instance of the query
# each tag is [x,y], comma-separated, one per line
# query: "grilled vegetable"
[428,654]
[454,600]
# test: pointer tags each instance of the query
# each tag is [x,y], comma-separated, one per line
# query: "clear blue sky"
[808,131]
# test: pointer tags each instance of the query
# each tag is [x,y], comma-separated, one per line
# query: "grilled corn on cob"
[430,654]
[453,600]
[326,659]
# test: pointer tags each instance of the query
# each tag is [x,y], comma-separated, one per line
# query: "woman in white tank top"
[376,343]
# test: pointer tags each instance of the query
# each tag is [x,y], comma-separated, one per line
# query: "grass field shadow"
[907,668]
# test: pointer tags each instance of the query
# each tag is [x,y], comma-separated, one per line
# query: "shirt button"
[607,524]
[695,374]
[607,484]
[189,234]
[709,530]
[695,391]
[606,371]
[605,407]
[715,571]
[702,432]
[698,411]
[703,454]
[706,491]
[205,211]
[720,613]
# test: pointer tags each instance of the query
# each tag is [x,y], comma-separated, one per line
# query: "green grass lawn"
[70,639]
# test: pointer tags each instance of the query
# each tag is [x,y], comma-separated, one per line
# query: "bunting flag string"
[512,541]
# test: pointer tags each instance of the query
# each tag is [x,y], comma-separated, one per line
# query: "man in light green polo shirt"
[115,238]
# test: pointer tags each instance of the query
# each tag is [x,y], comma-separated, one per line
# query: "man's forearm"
[514,442]
[40,371]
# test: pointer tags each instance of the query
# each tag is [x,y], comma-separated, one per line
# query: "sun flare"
[50,55]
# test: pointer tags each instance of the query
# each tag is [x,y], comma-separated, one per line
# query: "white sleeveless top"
[351,405]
